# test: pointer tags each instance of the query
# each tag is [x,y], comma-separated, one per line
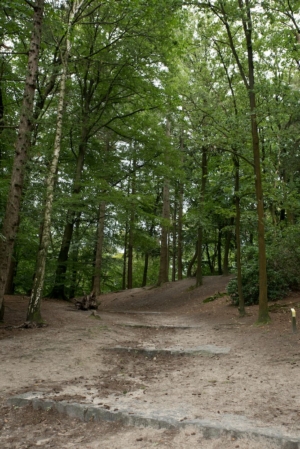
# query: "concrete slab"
[198,350]
[161,326]
[229,425]
[133,312]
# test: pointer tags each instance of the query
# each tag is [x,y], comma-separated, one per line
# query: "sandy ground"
[73,359]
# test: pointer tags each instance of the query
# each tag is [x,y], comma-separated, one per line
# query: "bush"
[283,260]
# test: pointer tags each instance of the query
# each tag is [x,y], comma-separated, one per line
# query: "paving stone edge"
[209,429]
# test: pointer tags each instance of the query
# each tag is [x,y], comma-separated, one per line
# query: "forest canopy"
[146,141]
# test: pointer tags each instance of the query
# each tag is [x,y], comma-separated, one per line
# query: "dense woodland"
[146,141]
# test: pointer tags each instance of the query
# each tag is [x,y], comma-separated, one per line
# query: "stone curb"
[134,312]
[161,326]
[199,350]
[209,429]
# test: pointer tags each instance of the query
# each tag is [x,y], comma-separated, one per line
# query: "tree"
[228,13]
[33,312]
[11,219]
[163,275]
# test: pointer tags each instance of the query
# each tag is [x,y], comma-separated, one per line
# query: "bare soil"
[71,359]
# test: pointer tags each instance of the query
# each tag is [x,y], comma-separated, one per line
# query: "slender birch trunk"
[11,219]
[33,312]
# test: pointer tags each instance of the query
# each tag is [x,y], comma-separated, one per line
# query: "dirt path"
[255,383]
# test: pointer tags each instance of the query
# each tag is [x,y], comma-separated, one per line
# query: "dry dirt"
[71,359]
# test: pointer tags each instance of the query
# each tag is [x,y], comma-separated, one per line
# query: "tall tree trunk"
[263,313]
[219,250]
[34,307]
[180,233]
[164,249]
[60,275]
[199,276]
[238,235]
[1,125]
[1,112]
[163,275]
[11,219]
[96,286]
[10,286]
[245,9]
[125,257]
[145,271]
[75,253]
[131,225]
[174,231]
[130,250]
[88,87]
[180,216]
[210,260]
[192,261]
[228,237]
[146,261]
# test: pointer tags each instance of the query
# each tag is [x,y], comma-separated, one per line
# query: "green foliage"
[132,65]
[283,260]
[214,297]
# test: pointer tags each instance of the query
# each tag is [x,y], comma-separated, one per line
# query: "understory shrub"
[283,262]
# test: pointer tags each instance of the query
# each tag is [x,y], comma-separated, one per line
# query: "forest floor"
[250,380]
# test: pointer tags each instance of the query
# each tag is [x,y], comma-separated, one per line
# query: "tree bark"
[75,253]
[130,251]
[174,231]
[180,218]
[199,276]
[34,307]
[263,313]
[228,237]
[147,255]
[96,287]
[163,275]
[131,227]
[180,233]
[125,257]
[164,249]
[210,260]
[245,9]
[11,219]
[60,275]
[219,250]
[191,263]
[1,124]
[145,271]
[10,286]
[238,235]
